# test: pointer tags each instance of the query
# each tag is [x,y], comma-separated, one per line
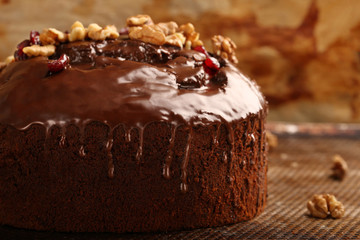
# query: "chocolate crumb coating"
[130,137]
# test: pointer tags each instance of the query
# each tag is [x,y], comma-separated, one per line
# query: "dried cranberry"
[202,50]
[35,38]
[124,31]
[211,65]
[19,54]
[59,64]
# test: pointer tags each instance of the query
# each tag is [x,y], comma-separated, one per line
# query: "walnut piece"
[78,32]
[96,32]
[324,205]
[148,33]
[51,36]
[192,37]
[168,28]
[10,59]
[339,167]
[176,39]
[111,32]
[141,27]
[138,20]
[187,29]
[224,47]
[37,50]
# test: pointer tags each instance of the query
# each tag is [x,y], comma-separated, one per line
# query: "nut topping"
[37,50]
[96,32]
[176,39]
[78,32]
[224,47]
[139,20]
[168,28]
[192,37]
[9,59]
[148,33]
[52,36]
[324,205]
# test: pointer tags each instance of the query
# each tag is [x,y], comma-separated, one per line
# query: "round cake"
[130,130]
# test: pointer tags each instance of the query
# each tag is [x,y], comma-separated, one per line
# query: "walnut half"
[339,167]
[324,205]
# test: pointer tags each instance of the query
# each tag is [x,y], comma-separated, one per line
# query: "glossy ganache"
[127,82]
[130,136]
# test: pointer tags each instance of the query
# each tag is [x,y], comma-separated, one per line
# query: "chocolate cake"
[138,131]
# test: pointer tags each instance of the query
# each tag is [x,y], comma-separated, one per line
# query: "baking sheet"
[298,168]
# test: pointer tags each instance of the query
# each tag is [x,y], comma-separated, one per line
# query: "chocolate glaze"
[128,82]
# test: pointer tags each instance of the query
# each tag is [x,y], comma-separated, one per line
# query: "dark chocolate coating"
[130,137]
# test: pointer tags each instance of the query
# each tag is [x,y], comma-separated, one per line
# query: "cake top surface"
[141,73]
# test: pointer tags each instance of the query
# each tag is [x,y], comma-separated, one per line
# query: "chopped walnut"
[37,50]
[51,36]
[187,28]
[176,39]
[96,32]
[111,32]
[168,28]
[324,205]
[141,27]
[339,167]
[188,45]
[78,32]
[138,20]
[148,33]
[272,140]
[197,43]
[9,59]
[192,37]
[224,47]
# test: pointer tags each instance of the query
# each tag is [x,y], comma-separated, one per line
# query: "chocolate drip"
[109,145]
[82,140]
[254,145]
[62,140]
[128,134]
[170,153]
[231,139]
[225,157]
[184,184]
[249,142]
[217,135]
[139,152]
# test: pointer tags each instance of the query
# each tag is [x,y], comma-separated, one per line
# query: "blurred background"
[303,53]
